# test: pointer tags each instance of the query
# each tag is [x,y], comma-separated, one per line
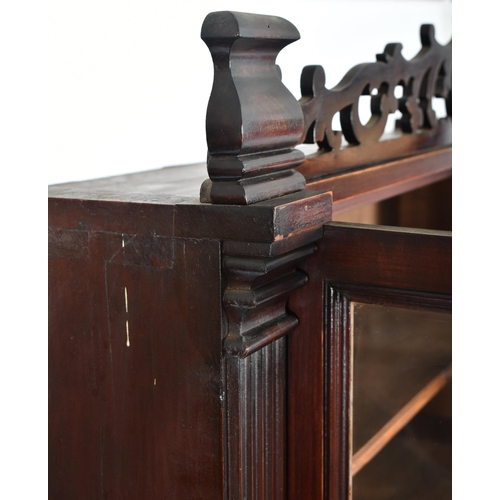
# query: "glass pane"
[401,402]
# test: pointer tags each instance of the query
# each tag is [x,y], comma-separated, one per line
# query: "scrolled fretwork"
[425,76]
[254,122]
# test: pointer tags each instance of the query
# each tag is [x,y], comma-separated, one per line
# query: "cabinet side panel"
[134,367]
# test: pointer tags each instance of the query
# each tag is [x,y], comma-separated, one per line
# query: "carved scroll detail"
[427,75]
[255,299]
[254,122]
[255,302]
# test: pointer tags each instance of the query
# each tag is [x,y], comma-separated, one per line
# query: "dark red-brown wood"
[413,259]
[135,378]
[426,76]
[253,121]
[374,264]
[201,350]
[379,182]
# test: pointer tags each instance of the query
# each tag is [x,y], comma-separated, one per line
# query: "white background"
[129,81]
[37,92]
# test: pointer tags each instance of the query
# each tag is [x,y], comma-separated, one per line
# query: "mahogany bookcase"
[282,332]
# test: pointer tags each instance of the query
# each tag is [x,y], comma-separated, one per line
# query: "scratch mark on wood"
[126,322]
[123,245]
[154,382]
[106,288]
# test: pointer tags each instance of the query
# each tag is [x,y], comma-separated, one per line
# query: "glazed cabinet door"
[370,373]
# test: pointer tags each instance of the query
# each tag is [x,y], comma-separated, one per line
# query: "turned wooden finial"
[253,121]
